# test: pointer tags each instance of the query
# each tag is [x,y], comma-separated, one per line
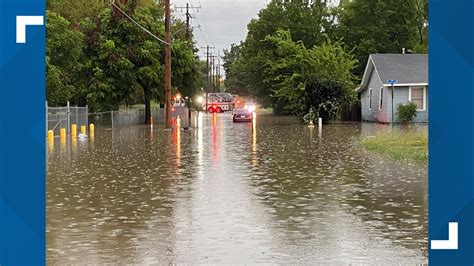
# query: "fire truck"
[220,102]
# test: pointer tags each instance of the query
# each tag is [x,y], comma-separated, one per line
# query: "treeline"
[300,55]
[96,56]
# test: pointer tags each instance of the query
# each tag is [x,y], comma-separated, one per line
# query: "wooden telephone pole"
[208,78]
[168,64]
[218,75]
[212,59]
[189,16]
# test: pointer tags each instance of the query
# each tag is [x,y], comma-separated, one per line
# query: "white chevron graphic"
[22,22]
[451,243]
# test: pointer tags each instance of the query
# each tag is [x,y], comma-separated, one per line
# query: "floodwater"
[272,191]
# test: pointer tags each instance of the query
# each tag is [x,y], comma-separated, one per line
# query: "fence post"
[112,116]
[87,115]
[60,117]
[68,112]
[77,116]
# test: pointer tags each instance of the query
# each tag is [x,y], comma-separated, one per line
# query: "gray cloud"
[222,22]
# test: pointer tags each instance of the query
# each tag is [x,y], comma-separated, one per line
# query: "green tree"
[295,67]
[63,53]
[233,65]
[386,26]
[308,22]
[326,97]
[127,64]
[421,19]
[77,10]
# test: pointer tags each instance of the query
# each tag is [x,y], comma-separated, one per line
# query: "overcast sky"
[222,22]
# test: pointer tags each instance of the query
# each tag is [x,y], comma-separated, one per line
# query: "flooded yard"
[271,191]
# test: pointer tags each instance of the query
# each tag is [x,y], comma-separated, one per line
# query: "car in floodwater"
[242,115]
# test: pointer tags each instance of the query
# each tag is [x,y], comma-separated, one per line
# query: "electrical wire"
[205,23]
[138,24]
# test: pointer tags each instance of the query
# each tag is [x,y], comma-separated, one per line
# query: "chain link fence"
[124,118]
[64,117]
[130,117]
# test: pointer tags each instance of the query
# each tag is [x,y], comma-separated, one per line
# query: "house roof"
[407,69]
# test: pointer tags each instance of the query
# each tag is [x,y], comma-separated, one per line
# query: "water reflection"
[268,191]
[214,137]
[254,140]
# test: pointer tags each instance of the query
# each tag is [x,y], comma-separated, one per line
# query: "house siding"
[401,96]
[375,115]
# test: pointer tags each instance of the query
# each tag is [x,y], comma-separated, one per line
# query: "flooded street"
[272,191]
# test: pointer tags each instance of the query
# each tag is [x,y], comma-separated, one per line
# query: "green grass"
[406,146]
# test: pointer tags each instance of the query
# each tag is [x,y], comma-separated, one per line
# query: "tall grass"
[403,146]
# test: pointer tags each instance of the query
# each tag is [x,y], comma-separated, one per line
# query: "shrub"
[325,97]
[310,117]
[406,112]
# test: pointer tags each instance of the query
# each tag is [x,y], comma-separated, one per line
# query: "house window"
[417,95]
[381,99]
[370,99]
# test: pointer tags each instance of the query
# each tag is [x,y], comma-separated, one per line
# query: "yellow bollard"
[83,130]
[91,133]
[62,133]
[74,144]
[73,131]
[91,137]
[50,136]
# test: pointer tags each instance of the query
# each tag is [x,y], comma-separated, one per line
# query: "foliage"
[326,97]
[382,27]
[233,65]
[319,77]
[77,10]
[406,112]
[100,58]
[246,63]
[405,146]
[310,117]
[291,42]
[63,53]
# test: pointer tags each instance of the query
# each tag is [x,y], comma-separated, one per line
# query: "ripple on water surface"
[269,191]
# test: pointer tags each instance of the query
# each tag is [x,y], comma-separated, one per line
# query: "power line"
[205,23]
[189,16]
[138,24]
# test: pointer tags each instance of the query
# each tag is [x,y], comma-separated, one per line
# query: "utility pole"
[212,73]
[213,68]
[188,18]
[207,77]
[168,64]
[219,71]
[208,65]
[208,80]
[217,78]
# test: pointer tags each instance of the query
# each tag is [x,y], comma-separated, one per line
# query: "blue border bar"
[451,170]
[22,136]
